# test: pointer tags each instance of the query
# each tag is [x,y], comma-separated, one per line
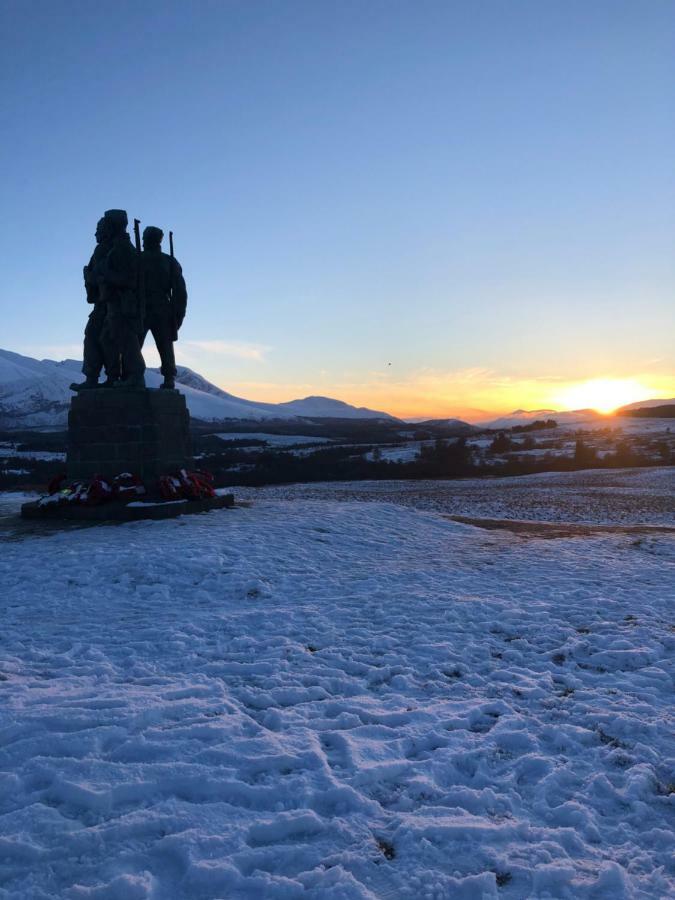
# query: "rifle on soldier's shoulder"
[140,281]
[174,334]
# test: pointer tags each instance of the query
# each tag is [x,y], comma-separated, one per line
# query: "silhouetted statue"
[95,351]
[121,290]
[165,300]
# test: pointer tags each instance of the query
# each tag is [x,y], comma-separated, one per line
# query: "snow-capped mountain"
[311,407]
[525,417]
[325,407]
[36,394]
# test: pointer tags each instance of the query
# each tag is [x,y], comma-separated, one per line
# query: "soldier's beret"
[153,234]
[118,216]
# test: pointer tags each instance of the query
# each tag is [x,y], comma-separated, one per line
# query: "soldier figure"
[122,293]
[96,355]
[165,299]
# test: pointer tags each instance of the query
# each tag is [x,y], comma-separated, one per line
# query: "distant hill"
[644,404]
[458,426]
[642,408]
[667,411]
[36,394]
[646,408]
[325,407]
[525,417]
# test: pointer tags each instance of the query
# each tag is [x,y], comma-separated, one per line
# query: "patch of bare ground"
[549,530]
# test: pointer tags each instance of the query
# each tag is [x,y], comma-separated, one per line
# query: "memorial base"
[111,431]
[145,432]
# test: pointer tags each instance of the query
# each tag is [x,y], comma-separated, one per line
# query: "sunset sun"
[602,394]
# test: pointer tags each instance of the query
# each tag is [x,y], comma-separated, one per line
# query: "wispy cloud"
[51,351]
[235,349]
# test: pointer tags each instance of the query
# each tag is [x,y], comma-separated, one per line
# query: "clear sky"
[424,207]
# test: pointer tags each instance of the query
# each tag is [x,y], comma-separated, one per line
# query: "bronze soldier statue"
[121,290]
[165,300]
[96,353]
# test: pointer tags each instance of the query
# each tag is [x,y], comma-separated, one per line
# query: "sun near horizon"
[605,395]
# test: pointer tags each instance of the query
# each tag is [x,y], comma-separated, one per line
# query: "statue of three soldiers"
[132,293]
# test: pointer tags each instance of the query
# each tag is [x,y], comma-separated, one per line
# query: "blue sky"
[424,206]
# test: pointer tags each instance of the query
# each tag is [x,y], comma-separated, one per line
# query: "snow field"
[335,700]
[592,496]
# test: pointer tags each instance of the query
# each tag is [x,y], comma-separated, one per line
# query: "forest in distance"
[351,452]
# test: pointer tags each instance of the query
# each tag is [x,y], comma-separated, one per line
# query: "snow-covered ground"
[10,451]
[596,496]
[638,426]
[406,453]
[329,699]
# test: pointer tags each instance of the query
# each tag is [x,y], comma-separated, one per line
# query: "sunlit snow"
[329,699]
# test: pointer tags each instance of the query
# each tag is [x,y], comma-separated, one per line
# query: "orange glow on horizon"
[474,395]
[603,394]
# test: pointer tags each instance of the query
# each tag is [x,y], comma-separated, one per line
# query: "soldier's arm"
[90,282]
[88,271]
[91,290]
[179,293]
[179,288]
[120,268]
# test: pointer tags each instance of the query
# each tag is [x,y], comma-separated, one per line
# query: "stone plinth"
[145,432]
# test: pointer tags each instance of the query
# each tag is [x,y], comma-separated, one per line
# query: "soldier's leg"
[122,339]
[133,364]
[111,354]
[111,345]
[113,369]
[93,360]
[162,333]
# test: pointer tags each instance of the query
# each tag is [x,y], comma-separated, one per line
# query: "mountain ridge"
[36,394]
[645,404]
[525,417]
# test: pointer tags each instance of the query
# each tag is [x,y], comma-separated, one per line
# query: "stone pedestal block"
[145,432]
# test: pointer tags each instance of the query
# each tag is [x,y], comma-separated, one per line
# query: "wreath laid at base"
[126,487]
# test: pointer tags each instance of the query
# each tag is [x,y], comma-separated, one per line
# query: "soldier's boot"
[88,384]
[133,382]
[169,383]
[109,382]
